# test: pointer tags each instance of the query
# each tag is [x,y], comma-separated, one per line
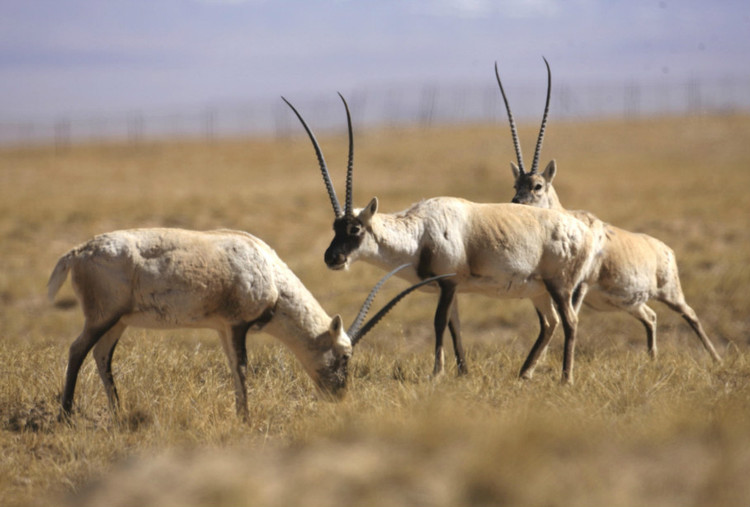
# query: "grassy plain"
[629,432]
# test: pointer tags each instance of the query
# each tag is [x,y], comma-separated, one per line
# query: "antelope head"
[331,377]
[532,187]
[349,226]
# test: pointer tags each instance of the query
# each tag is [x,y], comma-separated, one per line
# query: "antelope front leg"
[233,342]
[454,325]
[447,296]
[548,321]
[563,303]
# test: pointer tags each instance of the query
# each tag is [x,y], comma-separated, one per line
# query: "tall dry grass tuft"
[630,431]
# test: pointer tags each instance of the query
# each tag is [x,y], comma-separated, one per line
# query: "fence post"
[135,128]
[62,135]
[632,100]
[694,103]
[427,106]
[281,122]
[209,124]
[563,98]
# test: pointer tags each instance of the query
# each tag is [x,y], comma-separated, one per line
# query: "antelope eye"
[537,187]
[354,229]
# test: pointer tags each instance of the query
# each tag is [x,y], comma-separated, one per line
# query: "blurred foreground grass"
[630,432]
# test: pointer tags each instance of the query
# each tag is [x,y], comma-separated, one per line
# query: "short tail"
[59,274]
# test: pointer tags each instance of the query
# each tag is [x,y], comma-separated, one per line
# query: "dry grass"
[630,432]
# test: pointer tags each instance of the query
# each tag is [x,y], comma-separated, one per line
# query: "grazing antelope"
[225,280]
[633,268]
[500,250]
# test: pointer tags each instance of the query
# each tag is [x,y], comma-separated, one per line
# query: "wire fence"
[426,105]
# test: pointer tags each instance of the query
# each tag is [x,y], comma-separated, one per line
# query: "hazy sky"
[97,56]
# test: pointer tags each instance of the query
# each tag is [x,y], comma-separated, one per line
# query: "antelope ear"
[340,342]
[366,214]
[515,169]
[549,171]
[336,326]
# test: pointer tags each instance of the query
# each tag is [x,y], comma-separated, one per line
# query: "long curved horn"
[321,162]
[358,335]
[350,164]
[513,131]
[357,323]
[535,163]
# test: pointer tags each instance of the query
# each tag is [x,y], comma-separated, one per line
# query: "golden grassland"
[631,431]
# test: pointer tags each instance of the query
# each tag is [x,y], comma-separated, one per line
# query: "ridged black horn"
[357,323]
[350,163]
[321,162]
[535,163]
[513,131]
[358,335]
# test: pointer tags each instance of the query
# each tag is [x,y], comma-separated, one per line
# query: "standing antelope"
[225,280]
[633,267]
[500,250]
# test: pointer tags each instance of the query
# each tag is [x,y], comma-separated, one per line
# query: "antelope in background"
[633,268]
[225,280]
[500,250]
